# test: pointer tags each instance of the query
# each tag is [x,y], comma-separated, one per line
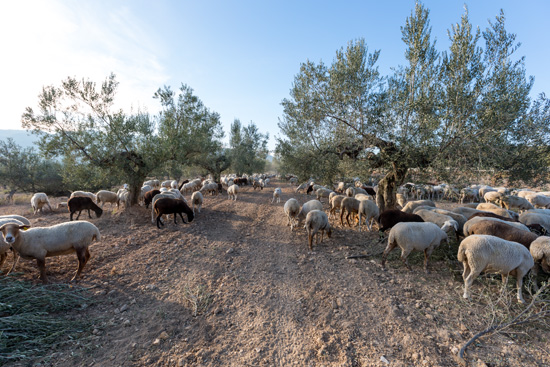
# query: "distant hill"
[21,137]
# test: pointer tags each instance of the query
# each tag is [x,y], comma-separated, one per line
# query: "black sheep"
[172,206]
[79,203]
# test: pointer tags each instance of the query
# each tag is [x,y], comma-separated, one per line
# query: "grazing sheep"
[303,186]
[401,200]
[4,247]
[79,203]
[211,188]
[514,202]
[277,193]
[172,206]
[38,200]
[466,212]
[370,210]
[459,218]
[474,220]
[492,196]
[104,196]
[503,230]
[350,192]
[439,219]
[389,218]
[257,185]
[411,236]
[87,194]
[529,218]
[124,197]
[540,250]
[307,207]
[60,239]
[480,253]
[196,199]
[351,205]
[169,195]
[148,197]
[411,205]
[335,203]
[323,193]
[539,200]
[292,209]
[316,221]
[232,191]
[489,207]
[340,187]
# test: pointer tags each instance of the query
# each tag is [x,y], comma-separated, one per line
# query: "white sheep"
[530,217]
[4,247]
[88,194]
[123,197]
[211,188]
[152,183]
[370,210]
[418,236]
[291,209]
[232,192]
[539,200]
[277,193]
[335,203]
[480,253]
[323,193]
[104,196]
[38,200]
[307,207]
[197,199]
[60,239]
[439,219]
[316,221]
[411,205]
[350,192]
[540,250]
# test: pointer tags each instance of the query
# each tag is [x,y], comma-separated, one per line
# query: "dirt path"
[236,288]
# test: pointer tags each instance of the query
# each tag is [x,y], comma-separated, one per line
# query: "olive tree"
[78,118]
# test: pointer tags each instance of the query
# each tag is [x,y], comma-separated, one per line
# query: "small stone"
[230,251]
[124,308]
[95,331]
[480,363]
[455,350]
[334,304]
[429,316]
[126,322]
[410,319]
[111,292]
[339,301]
[383,359]
[415,356]
[258,350]
[163,335]
[117,311]
[134,345]
[156,341]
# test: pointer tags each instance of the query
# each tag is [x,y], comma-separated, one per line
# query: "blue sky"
[240,57]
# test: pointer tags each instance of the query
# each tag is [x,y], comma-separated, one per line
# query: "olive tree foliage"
[77,118]
[190,133]
[23,169]
[436,115]
[248,148]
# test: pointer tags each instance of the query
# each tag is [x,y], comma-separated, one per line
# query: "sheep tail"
[461,254]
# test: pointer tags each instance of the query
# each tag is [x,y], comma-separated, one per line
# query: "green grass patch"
[34,319]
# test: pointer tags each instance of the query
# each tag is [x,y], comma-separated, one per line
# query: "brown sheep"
[172,206]
[79,203]
[504,231]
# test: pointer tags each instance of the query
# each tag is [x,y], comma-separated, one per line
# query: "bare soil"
[236,287]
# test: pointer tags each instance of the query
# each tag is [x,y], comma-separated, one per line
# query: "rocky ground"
[236,288]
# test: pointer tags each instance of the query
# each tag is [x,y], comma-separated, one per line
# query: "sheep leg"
[347,219]
[427,254]
[342,216]
[519,283]
[183,220]
[78,216]
[81,255]
[388,249]
[89,215]
[41,263]
[404,258]
[466,271]
[468,282]
[310,239]
[360,222]
[159,222]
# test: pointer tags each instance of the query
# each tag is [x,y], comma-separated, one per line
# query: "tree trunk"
[387,187]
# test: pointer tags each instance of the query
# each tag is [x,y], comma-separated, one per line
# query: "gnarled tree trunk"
[387,187]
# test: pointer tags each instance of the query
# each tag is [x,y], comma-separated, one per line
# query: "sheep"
[316,221]
[480,253]
[467,212]
[257,185]
[157,197]
[487,206]
[60,239]
[172,206]
[514,202]
[351,205]
[474,220]
[438,219]
[291,209]
[211,188]
[38,200]
[529,218]
[303,186]
[411,205]
[196,199]
[370,210]
[492,196]
[152,183]
[277,195]
[79,203]
[540,250]
[401,200]
[469,194]
[293,180]
[148,197]
[104,196]
[167,184]
[232,192]
[323,193]
[335,203]
[123,197]
[459,218]
[4,247]
[340,187]
[389,218]
[539,201]
[307,207]
[502,230]
[350,192]
[411,236]
[492,208]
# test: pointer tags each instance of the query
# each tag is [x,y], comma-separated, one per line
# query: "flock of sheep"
[76,236]
[505,232]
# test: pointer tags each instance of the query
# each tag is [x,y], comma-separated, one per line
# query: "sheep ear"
[24,227]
